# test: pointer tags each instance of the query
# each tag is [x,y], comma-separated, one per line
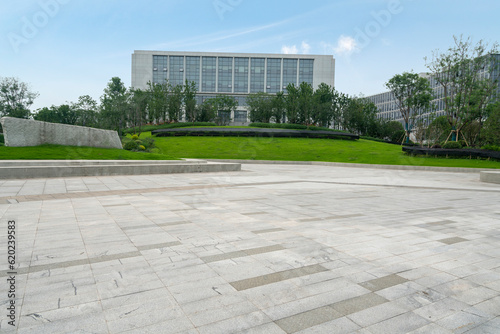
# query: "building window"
[160,66]
[289,73]
[193,70]
[176,71]
[273,75]
[208,74]
[225,75]
[241,75]
[257,74]
[306,68]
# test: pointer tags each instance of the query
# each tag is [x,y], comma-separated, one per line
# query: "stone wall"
[25,132]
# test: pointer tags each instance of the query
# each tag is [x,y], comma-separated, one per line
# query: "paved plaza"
[269,249]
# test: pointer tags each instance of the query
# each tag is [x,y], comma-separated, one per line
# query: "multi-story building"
[233,74]
[388,109]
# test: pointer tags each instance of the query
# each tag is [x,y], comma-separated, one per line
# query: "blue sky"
[68,48]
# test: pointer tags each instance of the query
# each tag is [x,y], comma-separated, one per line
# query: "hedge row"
[459,153]
[292,127]
[147,128]
[255,132]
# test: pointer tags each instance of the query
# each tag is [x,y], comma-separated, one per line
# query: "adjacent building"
[388,109]
[233,74]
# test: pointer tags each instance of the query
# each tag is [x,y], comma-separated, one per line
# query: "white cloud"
[346,45]
[289,49]
[293,49]
[305,48]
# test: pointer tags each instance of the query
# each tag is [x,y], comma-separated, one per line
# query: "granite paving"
[268,249]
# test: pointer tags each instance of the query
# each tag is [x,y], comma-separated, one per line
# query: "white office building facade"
[233,74]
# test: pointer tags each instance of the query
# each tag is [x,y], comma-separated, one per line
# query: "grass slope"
[49,152]
[303,149]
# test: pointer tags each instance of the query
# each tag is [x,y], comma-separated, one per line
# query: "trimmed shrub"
[142,147]
[147,128]
[135,137]
[490,147]
[131,145]
[452,145]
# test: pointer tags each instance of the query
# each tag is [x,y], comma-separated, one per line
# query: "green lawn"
[248,148]
[302,149]
[49,152]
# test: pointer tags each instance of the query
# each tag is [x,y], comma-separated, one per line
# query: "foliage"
[491,147]
[113,104]
[491,132]
[465,74]
[260,107]
[135,143]
[87,111]
[438,130]
[169,126]
[452,145]
[15,98]
[63,114]
[2,139]
[137,108]
[189,99]
[223,105]
[413,97]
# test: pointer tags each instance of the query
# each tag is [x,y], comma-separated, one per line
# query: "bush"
[147,128]
[490,147]
[292,127]
[452,145]
[278,126]
[2,141]
[131,145]
[148,143]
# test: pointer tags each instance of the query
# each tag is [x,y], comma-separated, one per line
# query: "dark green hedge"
[147,128]
[292,126]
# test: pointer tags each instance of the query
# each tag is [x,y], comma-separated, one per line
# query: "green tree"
[189,95]
[87,111]
[224,105]
[260,107]
[323,98]
[158,102]
[413,96]
[306,103]
[292,104]
[63,114]
[47,115]
[16,98]
[360,117]
[206,111]
[174,104]
[465,74]
[114,105]
[278,104]
[138,104]
[491,133]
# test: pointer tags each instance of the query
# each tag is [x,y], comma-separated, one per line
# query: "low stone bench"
[26,169]
[490,176]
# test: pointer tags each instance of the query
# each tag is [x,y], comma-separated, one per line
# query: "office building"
[233,74]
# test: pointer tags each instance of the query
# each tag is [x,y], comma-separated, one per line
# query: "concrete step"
[19,169]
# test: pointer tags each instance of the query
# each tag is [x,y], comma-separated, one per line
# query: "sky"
[68,48]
